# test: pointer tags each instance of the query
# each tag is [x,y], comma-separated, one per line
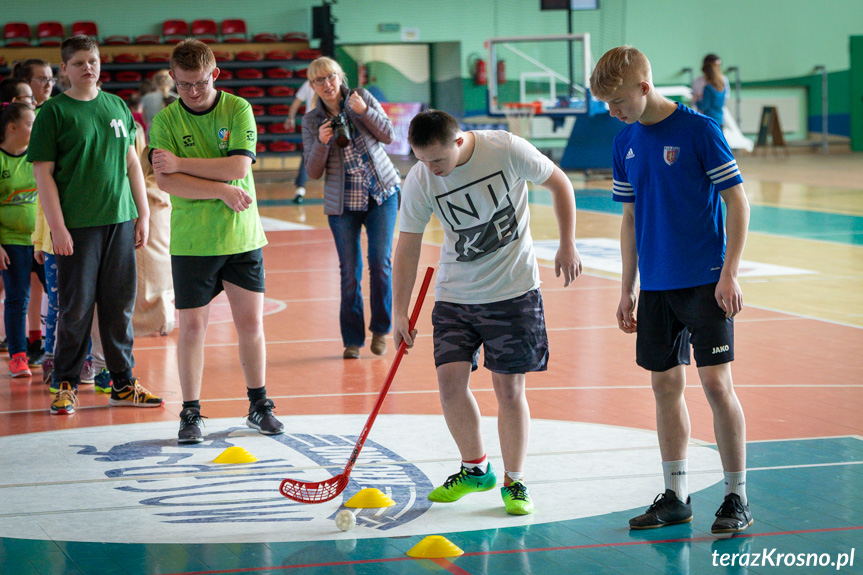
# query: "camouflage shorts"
[511,332]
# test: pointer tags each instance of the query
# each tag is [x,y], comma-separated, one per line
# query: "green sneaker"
[517,499]
[102,381]
[464,482]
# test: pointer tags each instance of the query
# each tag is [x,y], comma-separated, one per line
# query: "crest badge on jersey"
[670,154]
[224,134]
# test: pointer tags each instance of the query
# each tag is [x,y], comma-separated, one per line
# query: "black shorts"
[511,332]
[198,279]
[668,321]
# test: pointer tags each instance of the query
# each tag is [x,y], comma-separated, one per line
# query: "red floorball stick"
[320,491]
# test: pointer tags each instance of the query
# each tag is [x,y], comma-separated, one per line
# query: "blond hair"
[617,66]
[192,55]
[163,81]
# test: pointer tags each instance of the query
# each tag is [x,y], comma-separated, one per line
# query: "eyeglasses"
[325,79]
[46,81]
[188,86]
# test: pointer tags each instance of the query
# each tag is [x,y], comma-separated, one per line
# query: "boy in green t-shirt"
[91,189]
[202,149]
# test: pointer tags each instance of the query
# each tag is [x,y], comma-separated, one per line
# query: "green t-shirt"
[17,200]
[210,227]
[88,143]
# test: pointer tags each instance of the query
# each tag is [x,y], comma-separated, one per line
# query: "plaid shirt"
[360,177]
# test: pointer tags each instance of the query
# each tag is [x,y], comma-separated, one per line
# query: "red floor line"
[452,568]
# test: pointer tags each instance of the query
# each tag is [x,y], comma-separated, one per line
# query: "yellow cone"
[235,455]
[370,497]
[435,547]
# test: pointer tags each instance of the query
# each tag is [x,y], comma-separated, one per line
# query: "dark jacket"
[377,130]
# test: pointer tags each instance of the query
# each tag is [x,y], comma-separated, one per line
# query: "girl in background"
[710,90]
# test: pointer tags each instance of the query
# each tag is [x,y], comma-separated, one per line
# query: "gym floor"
[109,491]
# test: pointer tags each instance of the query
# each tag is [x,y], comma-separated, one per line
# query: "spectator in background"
[154,305]
[710,91]
[134,103]
[16,90]
[163,95]
[306,96]
[39,75]
[361,188]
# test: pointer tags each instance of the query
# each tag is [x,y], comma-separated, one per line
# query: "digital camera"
[341,130]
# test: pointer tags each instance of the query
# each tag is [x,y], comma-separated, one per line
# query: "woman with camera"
[343,140]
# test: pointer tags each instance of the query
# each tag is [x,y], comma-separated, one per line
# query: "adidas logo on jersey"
[630,154]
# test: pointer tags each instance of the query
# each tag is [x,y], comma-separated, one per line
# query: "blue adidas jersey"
[674,170]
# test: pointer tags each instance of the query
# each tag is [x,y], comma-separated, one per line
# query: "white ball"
[345,520]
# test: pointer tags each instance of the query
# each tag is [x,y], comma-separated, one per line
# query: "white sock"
[301,191]
[675,478]
[481,464]
[515,475]
[735,482]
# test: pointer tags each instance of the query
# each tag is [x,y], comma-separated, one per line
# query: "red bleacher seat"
[50,33]
[249,56]
[281,91]
[16,34]
[279,129]
[227,90]
[279,55]
[225,74]
[116,40]
[260,148]
[301,73]
[126,93]
[264,37]
[222,55]
[206,31]
[295,37]
[282,147]
[158,57]
[127,76]
[279,73]
[85,28]
[279,110]
[309,54]
[234,30]
[127,58]
[104,77]
[262,129]
[148,39]
[251,92]
[174,31]
[249,74]
[257,110]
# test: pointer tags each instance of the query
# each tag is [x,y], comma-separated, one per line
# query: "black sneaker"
[35,353]
[733,516]
[261,418]
[667,509]
[190,426]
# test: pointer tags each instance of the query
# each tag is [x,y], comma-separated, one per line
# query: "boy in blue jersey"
[671,167]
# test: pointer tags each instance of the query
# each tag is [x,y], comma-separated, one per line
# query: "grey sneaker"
[261,418]
[190,426]
[667,509]
[88,372]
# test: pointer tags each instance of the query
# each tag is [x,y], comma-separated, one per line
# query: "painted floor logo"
[83,484]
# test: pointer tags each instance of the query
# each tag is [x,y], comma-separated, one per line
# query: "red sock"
[35,335]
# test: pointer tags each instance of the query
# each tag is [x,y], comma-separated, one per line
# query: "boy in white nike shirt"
[487,291]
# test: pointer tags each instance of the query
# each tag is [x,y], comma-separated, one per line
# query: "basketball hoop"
[519,116]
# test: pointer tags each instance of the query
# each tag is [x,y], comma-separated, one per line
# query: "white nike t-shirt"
[482,205]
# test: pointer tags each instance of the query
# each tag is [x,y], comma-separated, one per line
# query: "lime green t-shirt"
[88,143]
[210,227]
[17,200]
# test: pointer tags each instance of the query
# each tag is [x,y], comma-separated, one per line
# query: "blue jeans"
[380,223]
[300,182]
[16,281]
